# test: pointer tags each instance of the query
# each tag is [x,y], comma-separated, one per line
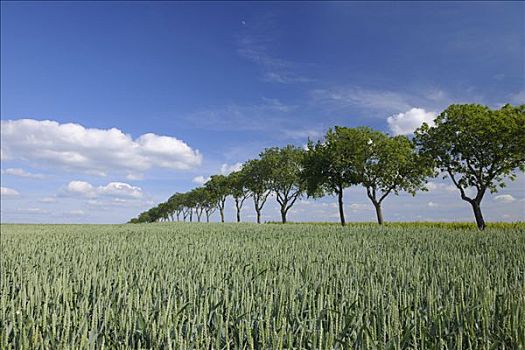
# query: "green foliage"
[245,286]
[330,165]
[476,147]
[257,179]
[285,180]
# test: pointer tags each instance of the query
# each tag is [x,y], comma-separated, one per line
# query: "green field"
[302,286]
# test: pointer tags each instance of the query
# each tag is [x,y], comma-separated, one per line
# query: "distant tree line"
[473,145]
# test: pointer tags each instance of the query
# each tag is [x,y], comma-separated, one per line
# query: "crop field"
[247,286]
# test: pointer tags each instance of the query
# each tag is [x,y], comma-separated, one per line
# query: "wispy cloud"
[254,44]
[269,113]
[382,100]
[21,173]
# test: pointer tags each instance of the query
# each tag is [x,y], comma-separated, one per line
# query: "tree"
[389,164]
[284,166]
[238,189]
[330,166]
[198,197]
[257,181]
[175,205]
[476,147]
[219,186]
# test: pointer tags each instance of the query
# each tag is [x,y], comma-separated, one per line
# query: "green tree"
[330,166]
[257,180]
[389,165]
[219,186]
[284,165]
[239,191]
[476,147]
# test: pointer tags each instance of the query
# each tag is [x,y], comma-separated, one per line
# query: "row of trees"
[473,145]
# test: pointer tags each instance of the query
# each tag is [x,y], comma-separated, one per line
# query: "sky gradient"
[108,108]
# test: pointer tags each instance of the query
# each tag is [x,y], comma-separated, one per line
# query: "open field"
[204,286]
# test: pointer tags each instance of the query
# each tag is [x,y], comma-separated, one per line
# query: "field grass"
[232,286]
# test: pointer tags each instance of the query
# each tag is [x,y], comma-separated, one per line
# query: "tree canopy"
[476,147]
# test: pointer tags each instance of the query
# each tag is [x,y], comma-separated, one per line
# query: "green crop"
[246,286]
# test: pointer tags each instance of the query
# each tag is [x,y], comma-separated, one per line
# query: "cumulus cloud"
[112,189]
[406,123]
[201,180]
[21,173]
[94,151]
[8,192]
[505,198]
[230,168]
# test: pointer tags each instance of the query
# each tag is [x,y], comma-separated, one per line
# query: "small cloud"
[21,173]
[406,123]
[7,192]
[359,207]
[33,211]
[75,213]
[504,198]
[135,176]
[112,189]
[226,169]
[439,186]
[432,204]
[48,200]
[201,180]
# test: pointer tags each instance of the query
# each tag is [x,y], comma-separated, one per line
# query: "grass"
[230,286]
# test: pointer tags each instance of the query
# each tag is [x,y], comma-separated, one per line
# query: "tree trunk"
[191,215]
[477,214]
[283,216]
[207,217]
[379,213]
[222,213]
[258,215]
[238,209]
[341,209]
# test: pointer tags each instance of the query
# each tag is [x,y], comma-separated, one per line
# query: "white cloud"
[120,189]
[201,180]
[439,186]
[48,200]
[407,122]
[505,198]
[8,192]
[94,151]
[359,207]
[77,212]
[432,204]
[227,168]
[32,211]
[21,173]
[112,189]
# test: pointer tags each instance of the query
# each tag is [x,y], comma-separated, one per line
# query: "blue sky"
[110,107]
